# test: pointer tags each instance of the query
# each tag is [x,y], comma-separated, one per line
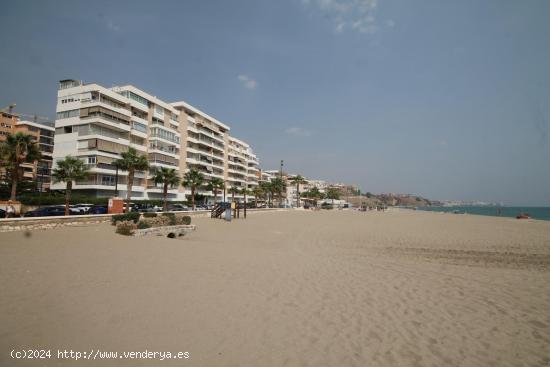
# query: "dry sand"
[337,288]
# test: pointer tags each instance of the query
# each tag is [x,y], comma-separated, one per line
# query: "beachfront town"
[98,125]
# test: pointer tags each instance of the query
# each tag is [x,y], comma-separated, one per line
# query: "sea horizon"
[534,212]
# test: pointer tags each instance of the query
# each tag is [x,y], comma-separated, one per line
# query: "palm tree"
[216,184]
[333,193]
[193,179]
[69,169]
[278,186]
[17,149]
[267,190]
[167,177]
[297,180]
[131,161]
[233,190]
[314,194]
[257,192]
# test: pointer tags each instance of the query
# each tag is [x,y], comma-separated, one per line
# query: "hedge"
[56,198]
[132,216]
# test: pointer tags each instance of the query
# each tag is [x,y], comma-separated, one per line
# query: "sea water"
[539,212]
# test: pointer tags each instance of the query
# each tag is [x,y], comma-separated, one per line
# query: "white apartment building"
[97,124]
[242,166]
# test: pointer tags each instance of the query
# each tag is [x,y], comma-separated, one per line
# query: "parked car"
[81,208]
[98,209]
[2,213]
[46,211]
[148,208]
[177,207]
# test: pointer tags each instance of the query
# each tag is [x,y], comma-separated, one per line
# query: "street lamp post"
[116,182]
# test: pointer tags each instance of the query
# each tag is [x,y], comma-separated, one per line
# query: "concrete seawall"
[33,223]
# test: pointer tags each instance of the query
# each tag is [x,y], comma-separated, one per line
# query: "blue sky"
[446,99]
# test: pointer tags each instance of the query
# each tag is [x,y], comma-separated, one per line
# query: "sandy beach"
[299,288]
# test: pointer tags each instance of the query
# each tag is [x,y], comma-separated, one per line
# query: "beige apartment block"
[97,124]
[43,135]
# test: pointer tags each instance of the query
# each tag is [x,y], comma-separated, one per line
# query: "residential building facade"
[43,135]
[97,124]
[40,170]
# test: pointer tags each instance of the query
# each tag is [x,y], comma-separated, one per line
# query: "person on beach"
[10,210]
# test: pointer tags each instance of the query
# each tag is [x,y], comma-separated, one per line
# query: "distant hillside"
[389,200]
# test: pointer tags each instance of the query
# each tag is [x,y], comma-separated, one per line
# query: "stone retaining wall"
[178,231]
[23,224]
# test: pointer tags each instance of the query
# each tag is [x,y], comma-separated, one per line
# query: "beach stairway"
[217,211]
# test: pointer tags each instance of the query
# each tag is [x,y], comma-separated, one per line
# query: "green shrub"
[132,216]
[56,198]
[150,215]
[184,220]
[126,228]
[142,224]
[171,218]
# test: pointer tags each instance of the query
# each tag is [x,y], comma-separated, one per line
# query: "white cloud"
[248,82]
[112,26]
[297,131]
[349,14]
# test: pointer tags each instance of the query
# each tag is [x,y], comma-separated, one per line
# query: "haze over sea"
[540,212]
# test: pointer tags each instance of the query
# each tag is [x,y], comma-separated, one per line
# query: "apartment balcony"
[193,128]
[104,137]
[107,182]
[206,172]
[141,148]
[106,105]
[104,120]
[164,140]
[140,120]
[239,165]
[154,163]
[158,115]
[211,134]
[162,150]
[140,106]
[110,169]
[138,133]
[160,190]
[236,172]
[211,145]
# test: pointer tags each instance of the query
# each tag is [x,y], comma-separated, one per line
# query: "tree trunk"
[68,196]
[14,177]
[215,196]
[165,196]
[298,193]
[129,189]
[193,197]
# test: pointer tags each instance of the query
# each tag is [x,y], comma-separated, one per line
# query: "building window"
[108,180]
[139,127]
[159,110]
[68,114]
[92,160]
